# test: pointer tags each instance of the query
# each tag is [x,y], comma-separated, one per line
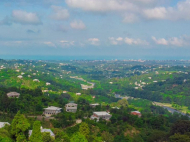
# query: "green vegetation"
[162,82]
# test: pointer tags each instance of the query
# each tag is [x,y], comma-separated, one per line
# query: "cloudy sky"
[127,28]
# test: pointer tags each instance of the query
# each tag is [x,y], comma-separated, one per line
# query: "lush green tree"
[36,132]
[19,127]
[78,137]
[179,138]
[62,137]
[106,136]
[84,129]
[5,139]
[123,103]
[46,137]
[4,133]
[181,127]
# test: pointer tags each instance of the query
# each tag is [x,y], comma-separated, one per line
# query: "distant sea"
[40,57]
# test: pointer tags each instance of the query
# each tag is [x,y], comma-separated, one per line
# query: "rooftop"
[53,108]
[101,113]
[136,111]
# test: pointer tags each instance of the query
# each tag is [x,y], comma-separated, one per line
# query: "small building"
[43,130]
[45,91]
[78,94]
[51,111]
[94,105]
[13,94]
[65,92]
[101,114]
[36,80]
[71,107]
[47,83]
[2,124]
[20,76]
[136,113]
[22,73]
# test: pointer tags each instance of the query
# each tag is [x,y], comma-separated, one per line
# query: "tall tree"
[78,137]
[106,136]
[84,129]
[19,127]
[36,132]
[46,137]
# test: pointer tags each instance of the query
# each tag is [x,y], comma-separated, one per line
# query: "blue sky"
[128,28]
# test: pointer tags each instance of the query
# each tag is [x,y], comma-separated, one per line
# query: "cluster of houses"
[86,87]
[72,107]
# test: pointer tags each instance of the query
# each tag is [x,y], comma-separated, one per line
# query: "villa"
[78,94]
[136,113]
[44,130]
[94,105]
[47,83]
[13,94]
[71,107]
[101,114]
[20,76]
[51,111]
[36,80]
[2,124]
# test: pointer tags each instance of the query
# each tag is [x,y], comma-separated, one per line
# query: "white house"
[36,80]
[51,111]
[2,124]
[47,83]
[78,94]
[100,114]
[71,107]
[65,92]
[44,130]
[13,94]
[94,105]
[20,76]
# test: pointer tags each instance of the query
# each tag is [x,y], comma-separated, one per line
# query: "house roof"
[95,104]
[2,124]
[13,94]
[71,104]
[53,108]
[135,112]
[71,107]
[43,130]
[100,113]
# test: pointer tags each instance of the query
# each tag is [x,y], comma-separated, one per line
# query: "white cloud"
[49,43]
[115,41]
[66,43]
[79,25]
[181,11]
[94,41]
[102,5]
[24,17]
[156,13]
[181,41]
[161,41]
[130,18]
[132,41]
[59,13]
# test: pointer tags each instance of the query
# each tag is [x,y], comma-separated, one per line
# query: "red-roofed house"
[136,113]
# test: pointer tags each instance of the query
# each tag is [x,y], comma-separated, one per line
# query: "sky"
[120,28]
